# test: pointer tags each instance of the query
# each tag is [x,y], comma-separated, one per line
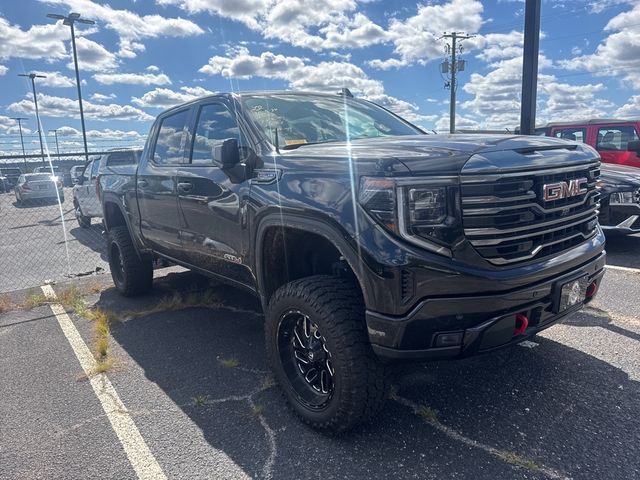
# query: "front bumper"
[622,218]
[484,322]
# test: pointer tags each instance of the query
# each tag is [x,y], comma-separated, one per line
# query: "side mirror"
[634,146]
[227,154]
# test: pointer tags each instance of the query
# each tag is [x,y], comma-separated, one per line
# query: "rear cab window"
[572,134]
[615,138]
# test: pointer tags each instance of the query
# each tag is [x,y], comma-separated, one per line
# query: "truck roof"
[592,121]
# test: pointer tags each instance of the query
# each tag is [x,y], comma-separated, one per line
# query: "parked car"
[4,184]
[64,175]
[11,175]
[38,186]
[86,203]
[366,240]
[620,199]
[615,140]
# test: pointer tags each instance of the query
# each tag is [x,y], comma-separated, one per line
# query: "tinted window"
[128,157]
[215,125]
[169,148]
[94,168]
[573,134]
[38,177]
[615,138]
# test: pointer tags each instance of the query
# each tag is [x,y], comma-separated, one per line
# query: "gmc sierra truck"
[366,240]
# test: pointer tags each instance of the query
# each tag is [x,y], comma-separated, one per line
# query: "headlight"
[425,215]
[624,197]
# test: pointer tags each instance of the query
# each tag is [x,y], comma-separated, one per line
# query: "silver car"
[38,186]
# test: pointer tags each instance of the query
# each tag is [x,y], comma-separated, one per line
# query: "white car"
[86,203]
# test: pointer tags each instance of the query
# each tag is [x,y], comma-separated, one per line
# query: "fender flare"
[333,234]
[117,201]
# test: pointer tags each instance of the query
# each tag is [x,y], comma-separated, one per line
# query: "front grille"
[507,221]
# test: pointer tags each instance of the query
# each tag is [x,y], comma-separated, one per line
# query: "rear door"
[92,206]
[211,205]
[156,183]
[81,191]
[612,142]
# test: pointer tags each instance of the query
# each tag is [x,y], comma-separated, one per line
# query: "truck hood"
[619,175]
[447,154]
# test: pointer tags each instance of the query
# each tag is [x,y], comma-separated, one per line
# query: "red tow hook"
[522,322]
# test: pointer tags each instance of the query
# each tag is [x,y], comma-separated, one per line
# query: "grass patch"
[427,413]
[230,362]
[180,301]
[35,300]
[518,461]
[5,303]
[103,366]
[199,400]
[257,410]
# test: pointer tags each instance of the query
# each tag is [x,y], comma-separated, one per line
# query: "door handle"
[185,186]
[143,183]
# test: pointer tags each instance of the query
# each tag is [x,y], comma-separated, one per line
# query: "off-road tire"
[360,380]
[131,274]
[83,221]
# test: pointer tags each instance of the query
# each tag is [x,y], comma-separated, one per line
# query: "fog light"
[449,339]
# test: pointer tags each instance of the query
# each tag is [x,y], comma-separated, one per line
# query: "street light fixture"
[70,20]
[55,132]
[24,154]
[33,77]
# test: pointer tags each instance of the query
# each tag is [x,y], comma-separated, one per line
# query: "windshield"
[306,119]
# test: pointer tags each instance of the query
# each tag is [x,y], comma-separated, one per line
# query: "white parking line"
[623,269]
[141,458]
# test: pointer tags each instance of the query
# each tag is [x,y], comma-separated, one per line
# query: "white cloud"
[618,55]
[152,68]
[99,97]
[52,106]
[631,109]
[241,10]
[415,39]
[3,70]
[93,57]
[132,78]
[165,97]
[130,27]
[55,79]
[325,76]
[39,42]
[107,133]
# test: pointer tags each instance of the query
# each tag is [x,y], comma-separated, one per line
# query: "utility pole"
[24,154]
[453,68]
[70,20]
[55,132]
[530,67]
[33,77]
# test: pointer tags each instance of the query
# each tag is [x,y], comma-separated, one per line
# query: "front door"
[213,230]
[156,184]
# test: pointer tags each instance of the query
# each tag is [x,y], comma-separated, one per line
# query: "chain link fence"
[41,239]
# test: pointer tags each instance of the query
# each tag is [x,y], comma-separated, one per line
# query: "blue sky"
[146,55]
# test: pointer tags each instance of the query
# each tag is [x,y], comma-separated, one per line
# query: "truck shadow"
[91,238]
[554,405]
[623,250]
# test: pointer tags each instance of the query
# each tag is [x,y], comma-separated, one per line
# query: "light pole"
[55,132]
[69,20]
[33,77]
[24,154]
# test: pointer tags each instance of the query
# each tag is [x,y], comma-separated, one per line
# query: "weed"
[102,366]
[5,303]
[102,347]
[257,410]
[69,296]
[180,301]
[35,300]
[428,413]
[518,461]
[230,362]
[199,400]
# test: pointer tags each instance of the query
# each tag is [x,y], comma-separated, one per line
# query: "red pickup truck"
[611,138]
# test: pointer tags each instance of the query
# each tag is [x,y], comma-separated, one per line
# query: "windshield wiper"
[293,146]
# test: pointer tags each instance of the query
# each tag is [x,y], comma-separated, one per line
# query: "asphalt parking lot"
[190,396]
[36,246]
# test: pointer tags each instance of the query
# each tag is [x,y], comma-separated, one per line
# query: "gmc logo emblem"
[560,190]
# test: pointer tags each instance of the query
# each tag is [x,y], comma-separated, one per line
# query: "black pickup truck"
[366,240]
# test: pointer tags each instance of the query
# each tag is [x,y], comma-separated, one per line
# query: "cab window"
[94,168]
[573,134]
[215,125]
[169,147]
[615,138]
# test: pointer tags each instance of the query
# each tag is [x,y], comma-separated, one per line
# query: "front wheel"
[319,351]
[132,275]
[84,222]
